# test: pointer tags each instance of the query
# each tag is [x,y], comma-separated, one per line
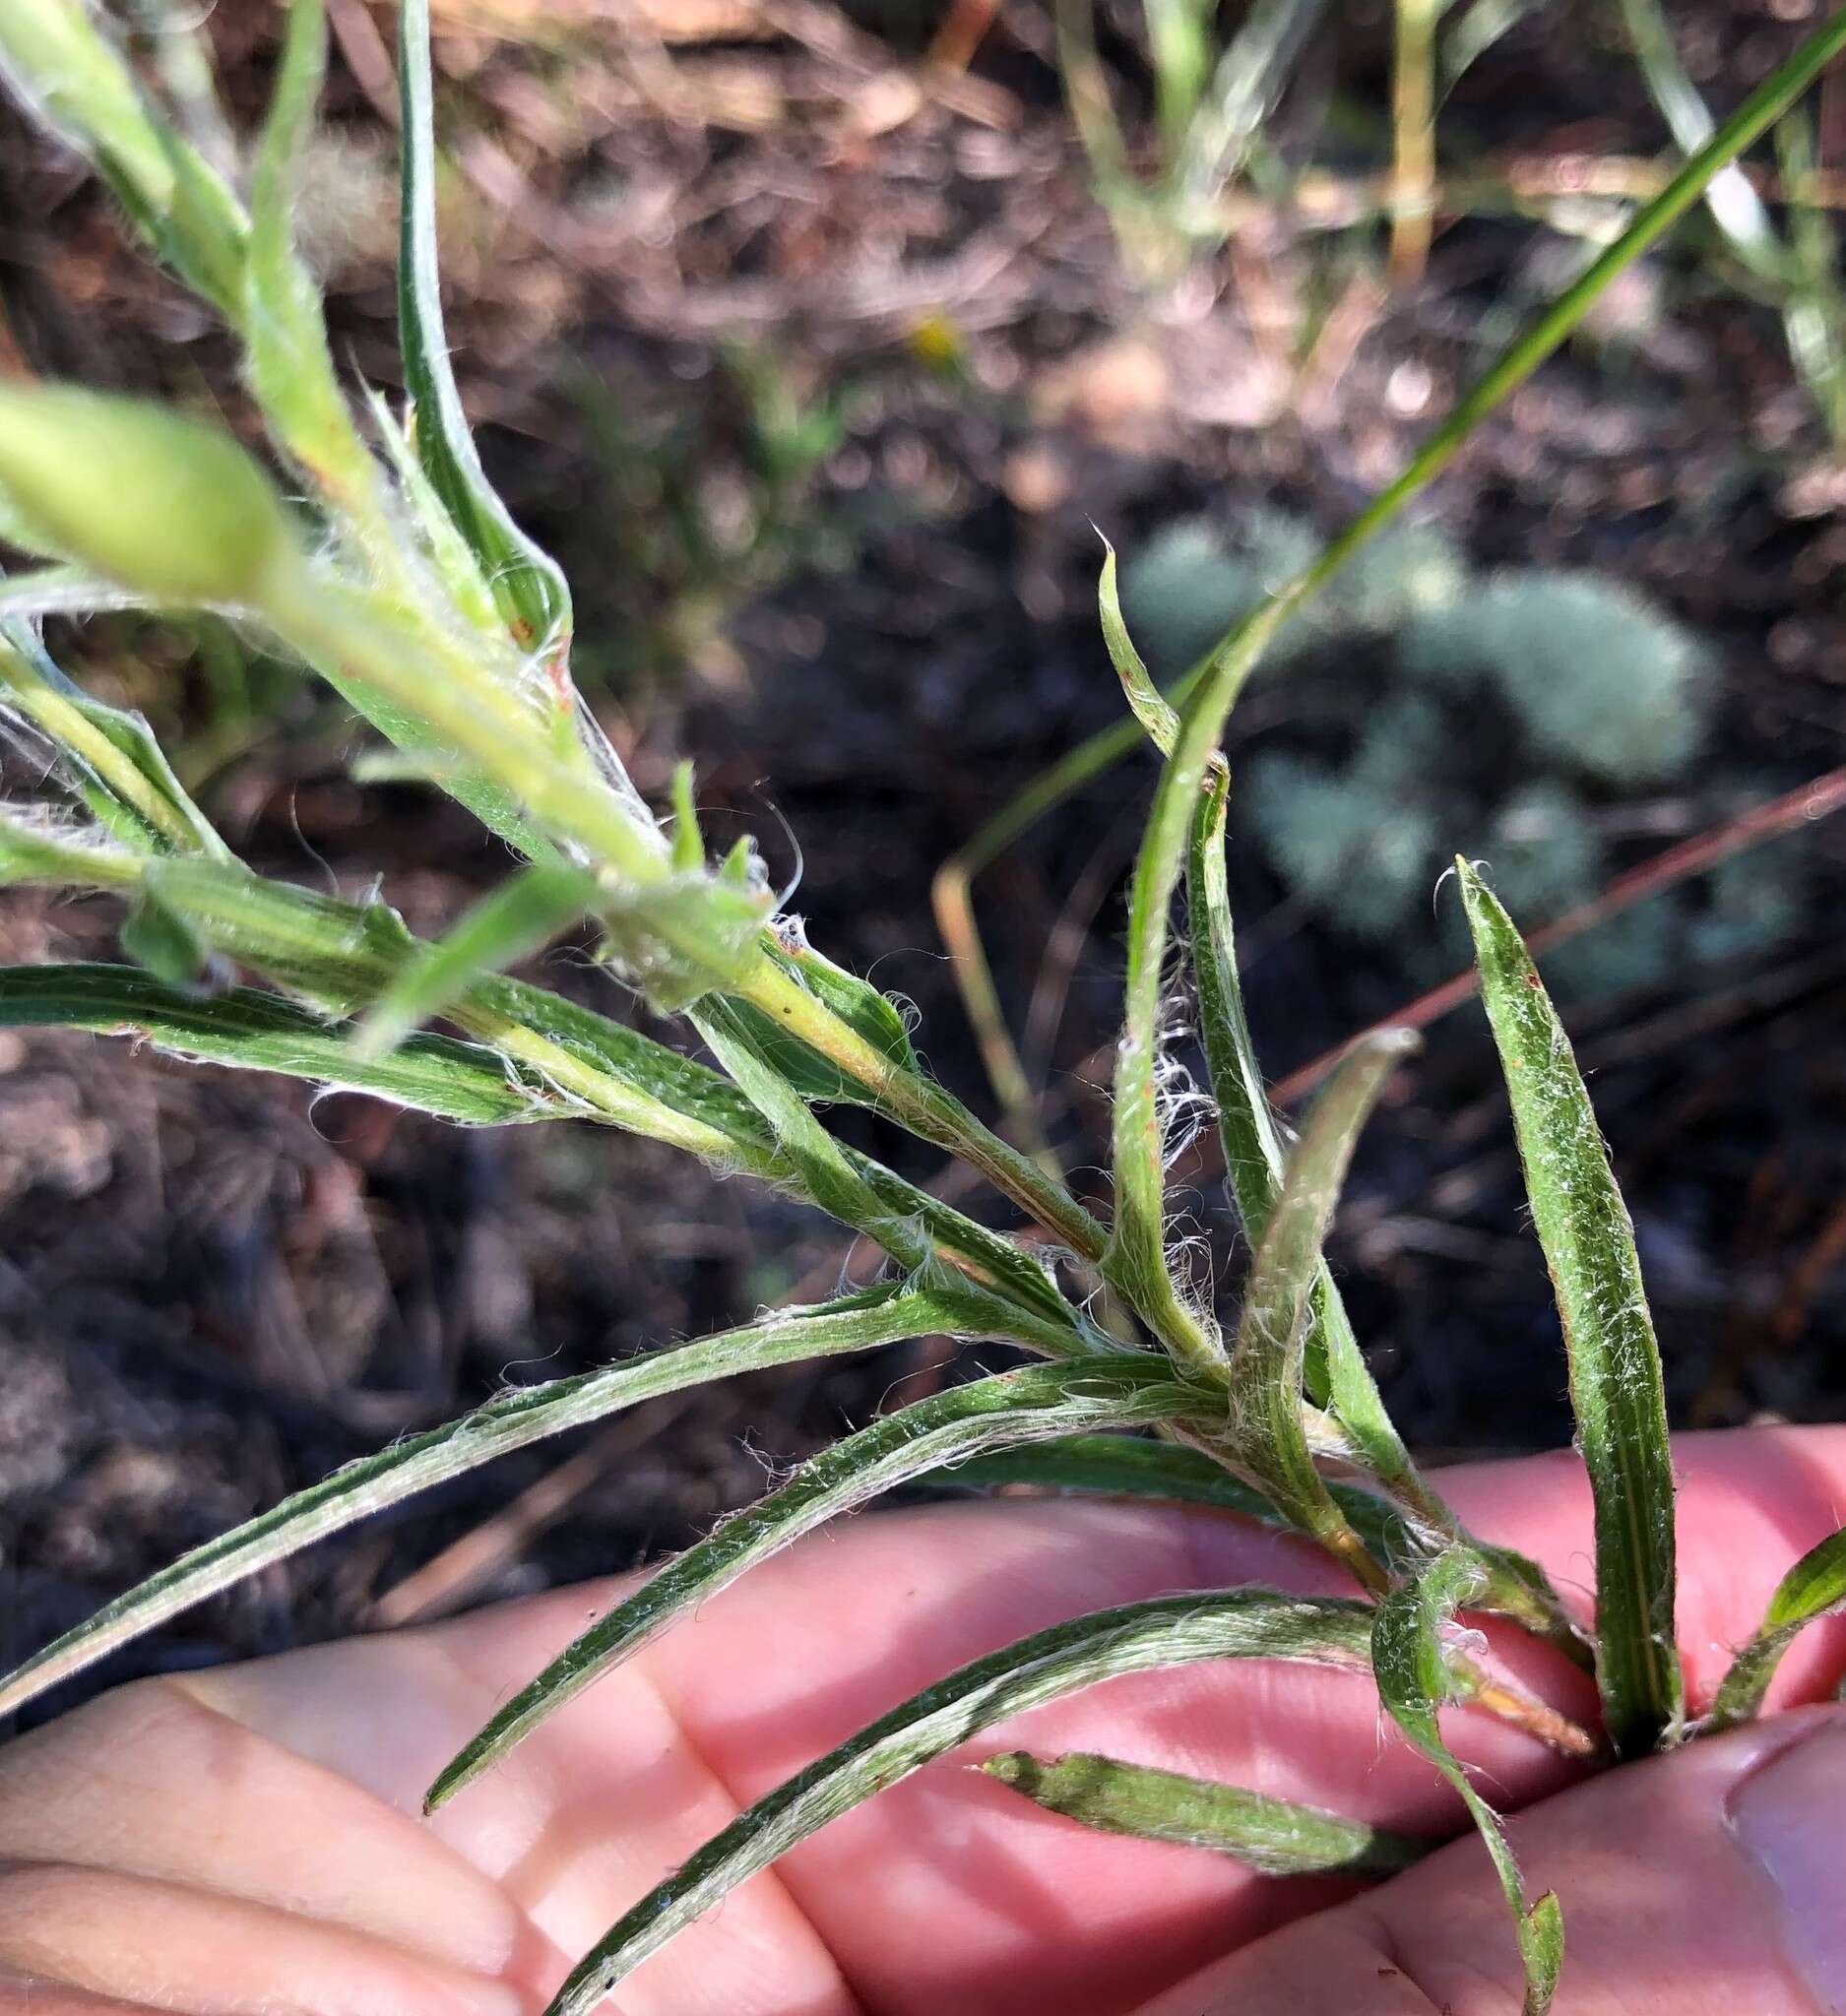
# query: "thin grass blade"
[1278,1837]
[1615,1386]
[527,582]
[1170,1631]
[1416,1678]
[1245,84]
[1475,33]
[182,58]
[1042,1401]
[1813,311]
[882,1315]
[1738,212]
[1813,1588]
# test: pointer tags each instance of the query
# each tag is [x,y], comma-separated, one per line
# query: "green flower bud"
[165,505]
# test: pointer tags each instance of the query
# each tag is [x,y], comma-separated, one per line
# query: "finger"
[948,1890]
[1703,1884]
[151,1783]
[157,1947]
[21,1996]
[569,1827]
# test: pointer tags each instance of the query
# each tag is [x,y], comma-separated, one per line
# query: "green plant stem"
[926,1109]
[334,626]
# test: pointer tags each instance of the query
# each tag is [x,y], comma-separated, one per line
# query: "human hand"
[248,1839]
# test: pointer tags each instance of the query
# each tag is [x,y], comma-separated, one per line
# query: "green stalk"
[449,695]
[926,1109]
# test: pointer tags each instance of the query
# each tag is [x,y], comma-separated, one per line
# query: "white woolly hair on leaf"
[1184,1110]
[58,822]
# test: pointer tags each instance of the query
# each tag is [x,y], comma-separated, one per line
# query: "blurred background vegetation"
[818,341]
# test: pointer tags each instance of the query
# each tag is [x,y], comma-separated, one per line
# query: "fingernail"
[1789,1817]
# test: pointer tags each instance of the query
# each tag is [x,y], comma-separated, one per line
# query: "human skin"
[248,1841]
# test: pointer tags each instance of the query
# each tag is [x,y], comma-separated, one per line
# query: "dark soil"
[213,1289]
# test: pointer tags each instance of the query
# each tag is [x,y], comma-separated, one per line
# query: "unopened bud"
[161,503]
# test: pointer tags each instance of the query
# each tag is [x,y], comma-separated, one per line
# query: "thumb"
[1711,1880]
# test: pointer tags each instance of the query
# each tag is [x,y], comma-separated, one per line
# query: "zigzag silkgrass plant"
[392,572]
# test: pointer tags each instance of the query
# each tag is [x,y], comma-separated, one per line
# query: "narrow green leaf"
[257,1031]
[443,545]
[1135,1467]
[1146,702]
[1415,1678]
[525,912]
[1178,38]
[1136,1261]
[109,755]
[1334,1372]
[827,1174]
[527,583]
[1266,1361]
[71,75]
[868,1013]
[1813,1588]
[291,368]
[161,943]
[1170,1631]
[883,1316]
[1615,1386]
[1042,1401]
[1278,1837]
[688,840]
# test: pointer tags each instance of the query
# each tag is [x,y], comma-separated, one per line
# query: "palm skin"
[249,1839]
